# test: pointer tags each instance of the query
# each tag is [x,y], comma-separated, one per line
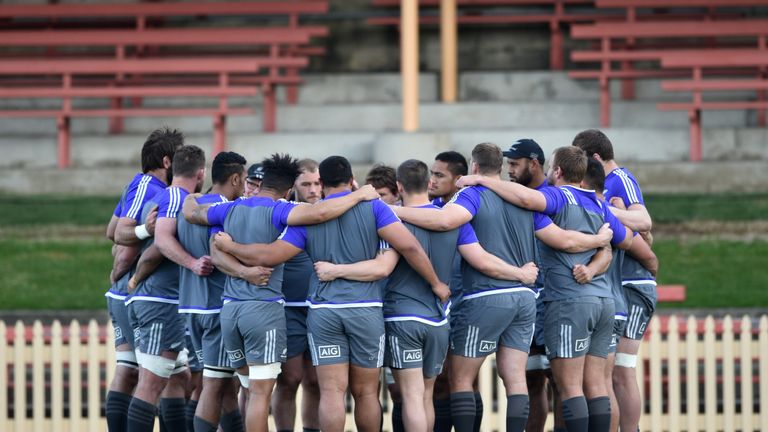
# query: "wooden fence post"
[94,377]
[19,379]
[763,367]
[57,375]
[746,373]
[729,377]
[710,375]
[655,353]
[75,379]
[38,377]
[692,374]
[673,347]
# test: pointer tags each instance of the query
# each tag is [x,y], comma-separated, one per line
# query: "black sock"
[163,427]
[478,412]
[232,421]
[200,425]
[116,409]
[285,430]
[397,417]
[576,414]
[463,411]
[517,412]
[442,415]
[141,416]
[558,429]
[310,430]
[189,414]
[172,410]
[599,414]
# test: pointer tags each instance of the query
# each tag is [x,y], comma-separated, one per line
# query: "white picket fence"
[696,375]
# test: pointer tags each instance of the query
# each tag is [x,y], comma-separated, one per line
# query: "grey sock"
[200,425]
[172,410]
[232,421]
[189,414]
[397,417]
[576,414]
[518,406]
[442,415]
[116,409]
[599,414]
[478,412]
[463,411]
[141,416]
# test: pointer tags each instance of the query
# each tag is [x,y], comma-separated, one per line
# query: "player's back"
[504,230]
[253,221]
[583,213]
[350,238]
[407,293]
[197,292]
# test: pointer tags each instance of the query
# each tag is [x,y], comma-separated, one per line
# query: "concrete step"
[434,117]
[632,144]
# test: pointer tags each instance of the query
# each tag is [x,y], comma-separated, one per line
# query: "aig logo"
[412,355]
[235,355]
[118,333]
[329,351]
[581,344]
[487,346]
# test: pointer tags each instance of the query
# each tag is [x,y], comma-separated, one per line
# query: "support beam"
[409,63]
[449,50]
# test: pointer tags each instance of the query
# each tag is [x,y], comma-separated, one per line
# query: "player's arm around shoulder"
[363,271]
[325,210]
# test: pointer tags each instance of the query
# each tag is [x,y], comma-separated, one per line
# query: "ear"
[400,189]
[167,162]
[597,157]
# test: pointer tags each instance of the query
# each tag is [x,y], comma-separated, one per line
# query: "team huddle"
[289,274]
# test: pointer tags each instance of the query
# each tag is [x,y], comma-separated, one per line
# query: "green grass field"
[39,272]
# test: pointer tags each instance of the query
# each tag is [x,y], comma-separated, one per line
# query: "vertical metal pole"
[448,50]
[409,63]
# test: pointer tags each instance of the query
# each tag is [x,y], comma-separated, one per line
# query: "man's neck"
[336,189]
[561,182]
[188,184]
[220,190]
[446,198]
[537,180]
[269,193]
[415,200]
[609,166]
[159,174]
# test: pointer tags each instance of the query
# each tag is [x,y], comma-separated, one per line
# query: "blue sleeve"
[170,203]
[383,214]
[295,235]
[217,213]
[135,199]
[619,231]
[556,200]
[280,213]
[118,209]
[469,198]
[625,187]
[540,221]
[214,229]
[466,235]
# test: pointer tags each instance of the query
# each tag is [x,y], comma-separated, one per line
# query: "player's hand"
[468,180]
[618,203]
[442,292]
[257,275]
[326,271]
[132,284]
[528,273]
[647,236]
[222,241]
[202,266]
[367,193]
[582,274]
[189,205]
[149,224]
[605,233]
